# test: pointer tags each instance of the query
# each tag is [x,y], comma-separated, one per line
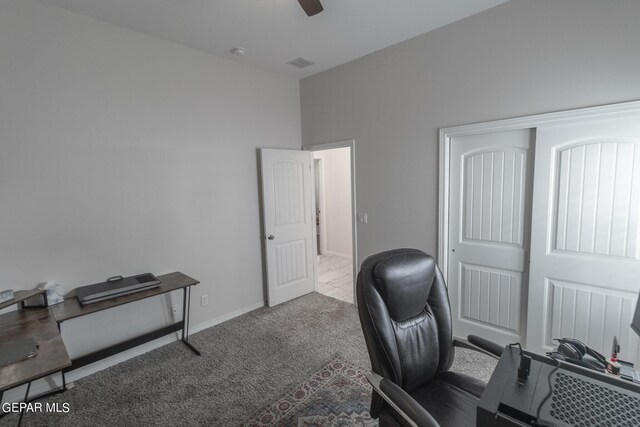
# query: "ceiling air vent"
[300,63]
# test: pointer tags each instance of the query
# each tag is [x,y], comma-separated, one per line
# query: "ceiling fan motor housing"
[311,7]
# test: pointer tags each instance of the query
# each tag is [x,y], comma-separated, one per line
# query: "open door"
[289,223]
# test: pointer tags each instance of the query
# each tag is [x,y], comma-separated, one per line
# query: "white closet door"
[585,245]
[488,233]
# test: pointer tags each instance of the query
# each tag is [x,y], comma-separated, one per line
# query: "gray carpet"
[247,364]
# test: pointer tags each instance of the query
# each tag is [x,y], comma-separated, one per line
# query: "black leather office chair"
[406,319]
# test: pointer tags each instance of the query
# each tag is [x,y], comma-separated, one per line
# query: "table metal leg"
[64,379]
[26,399]
[186,312]
[185,298]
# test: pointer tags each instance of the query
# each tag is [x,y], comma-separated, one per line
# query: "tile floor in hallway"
[336,277]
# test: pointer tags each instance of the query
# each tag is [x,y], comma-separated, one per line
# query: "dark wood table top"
[72,308]
[52,355]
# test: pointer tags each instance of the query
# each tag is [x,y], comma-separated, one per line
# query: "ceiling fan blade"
[311,7]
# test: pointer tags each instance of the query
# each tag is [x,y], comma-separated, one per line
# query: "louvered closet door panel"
[585,253]
[488,233]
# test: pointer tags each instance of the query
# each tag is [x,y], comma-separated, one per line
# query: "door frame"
[351,144]
[319,173]
[524,122]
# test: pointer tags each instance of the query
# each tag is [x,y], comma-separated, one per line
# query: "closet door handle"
[271,237]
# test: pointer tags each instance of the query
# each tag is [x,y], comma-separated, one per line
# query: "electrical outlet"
[174,311]
[204,300]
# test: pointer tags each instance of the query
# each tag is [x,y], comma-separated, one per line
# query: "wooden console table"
[72,309]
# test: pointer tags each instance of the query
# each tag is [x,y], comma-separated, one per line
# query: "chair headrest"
[404,279]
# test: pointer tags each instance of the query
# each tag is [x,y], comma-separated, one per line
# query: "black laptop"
[115,287]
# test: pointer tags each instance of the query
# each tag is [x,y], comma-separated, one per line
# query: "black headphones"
[574,351]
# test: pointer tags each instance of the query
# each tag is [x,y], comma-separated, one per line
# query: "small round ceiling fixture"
[238,51]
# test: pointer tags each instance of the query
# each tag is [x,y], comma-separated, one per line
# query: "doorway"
[334,219]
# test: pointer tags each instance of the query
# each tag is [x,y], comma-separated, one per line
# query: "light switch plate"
[362,218]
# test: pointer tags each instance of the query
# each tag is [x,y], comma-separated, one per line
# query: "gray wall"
[523,57]
[122,153]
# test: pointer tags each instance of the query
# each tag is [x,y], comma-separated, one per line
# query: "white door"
[288,223]
[488,234]
[585,246]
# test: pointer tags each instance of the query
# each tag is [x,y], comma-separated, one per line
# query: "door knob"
[270,237]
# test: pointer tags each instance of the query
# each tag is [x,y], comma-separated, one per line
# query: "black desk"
[578,396]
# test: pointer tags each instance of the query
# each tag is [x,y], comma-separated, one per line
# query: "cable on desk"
[516,344]
[548,395]
[525,364]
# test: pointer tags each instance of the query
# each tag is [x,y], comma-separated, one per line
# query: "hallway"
[336,277]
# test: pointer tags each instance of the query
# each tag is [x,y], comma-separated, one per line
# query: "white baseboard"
[328,252]
[55,380]
[221,319]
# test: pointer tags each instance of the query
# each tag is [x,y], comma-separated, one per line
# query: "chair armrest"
[487,345]
[480,345]
[402,402]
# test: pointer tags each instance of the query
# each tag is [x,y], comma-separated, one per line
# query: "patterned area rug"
[338,394]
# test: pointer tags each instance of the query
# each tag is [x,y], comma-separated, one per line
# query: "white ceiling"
[277,31]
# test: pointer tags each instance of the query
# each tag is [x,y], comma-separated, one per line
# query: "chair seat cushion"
[451,398]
